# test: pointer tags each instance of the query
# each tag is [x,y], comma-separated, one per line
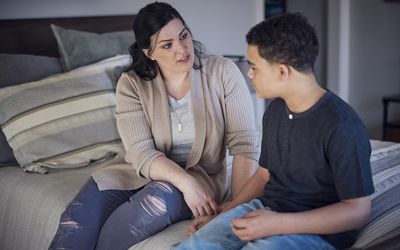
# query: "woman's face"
[173,48]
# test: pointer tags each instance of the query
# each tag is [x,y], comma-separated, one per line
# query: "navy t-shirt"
[317,158]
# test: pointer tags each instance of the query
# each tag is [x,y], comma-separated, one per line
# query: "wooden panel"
[34,36]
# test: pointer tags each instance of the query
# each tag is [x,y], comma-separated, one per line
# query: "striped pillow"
[384,221]
[63,121]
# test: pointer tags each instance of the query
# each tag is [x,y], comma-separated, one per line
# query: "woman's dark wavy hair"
[149,21]
[288,39]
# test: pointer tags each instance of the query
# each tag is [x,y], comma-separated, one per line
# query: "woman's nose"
[181,47]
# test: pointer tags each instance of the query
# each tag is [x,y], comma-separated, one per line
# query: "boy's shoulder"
[339,110]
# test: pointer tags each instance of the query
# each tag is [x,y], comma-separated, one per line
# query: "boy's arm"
[339,217]
[252,189]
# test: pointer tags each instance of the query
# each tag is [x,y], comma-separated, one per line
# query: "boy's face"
[264,76]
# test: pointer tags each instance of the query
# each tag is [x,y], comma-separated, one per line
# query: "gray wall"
[374,59]
[362,60]
[315,11]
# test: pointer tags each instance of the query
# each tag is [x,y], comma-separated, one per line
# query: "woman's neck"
[177,85]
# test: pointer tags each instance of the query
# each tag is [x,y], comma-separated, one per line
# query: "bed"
[54,149]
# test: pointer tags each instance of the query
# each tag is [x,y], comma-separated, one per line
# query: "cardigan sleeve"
[134,128]
[242,137]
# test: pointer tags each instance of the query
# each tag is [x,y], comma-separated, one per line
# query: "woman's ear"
[146,52]
[284,72]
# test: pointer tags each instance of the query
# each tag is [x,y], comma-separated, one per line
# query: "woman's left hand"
[200,201]
[199,222]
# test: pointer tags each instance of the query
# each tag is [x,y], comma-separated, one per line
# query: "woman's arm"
[243,168]
[242,137]
[199,199]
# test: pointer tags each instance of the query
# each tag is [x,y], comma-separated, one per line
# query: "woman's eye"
[184,36]
[166,46]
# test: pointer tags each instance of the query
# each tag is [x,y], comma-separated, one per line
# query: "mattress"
[31,204]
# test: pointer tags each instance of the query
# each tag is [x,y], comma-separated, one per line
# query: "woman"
[177,112]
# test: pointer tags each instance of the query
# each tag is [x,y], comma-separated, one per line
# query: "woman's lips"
[185,60]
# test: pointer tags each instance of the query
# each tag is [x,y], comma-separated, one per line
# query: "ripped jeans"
[118,219]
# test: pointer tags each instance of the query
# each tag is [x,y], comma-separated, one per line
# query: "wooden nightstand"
[390,129]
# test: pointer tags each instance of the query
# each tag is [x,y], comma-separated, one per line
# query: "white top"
[182,124]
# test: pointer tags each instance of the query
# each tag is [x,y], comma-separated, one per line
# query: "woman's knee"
[159,198]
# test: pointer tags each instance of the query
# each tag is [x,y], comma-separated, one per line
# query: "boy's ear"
[284,72]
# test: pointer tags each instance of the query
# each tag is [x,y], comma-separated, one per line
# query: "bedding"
[31,204]
[63,121]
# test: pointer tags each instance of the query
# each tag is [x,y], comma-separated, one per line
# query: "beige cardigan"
[223,117]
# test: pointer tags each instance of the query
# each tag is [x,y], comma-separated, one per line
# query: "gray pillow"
[16,69]
[79,48]
[19,68]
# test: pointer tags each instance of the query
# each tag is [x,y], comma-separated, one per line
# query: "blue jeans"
[118,219]
[217,234]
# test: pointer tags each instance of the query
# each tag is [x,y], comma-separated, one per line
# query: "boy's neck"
[303,93]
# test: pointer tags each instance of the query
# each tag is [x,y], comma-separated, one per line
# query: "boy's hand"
[198,222]
[255,225]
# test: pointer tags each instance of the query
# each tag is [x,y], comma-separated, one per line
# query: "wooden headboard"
[34,36]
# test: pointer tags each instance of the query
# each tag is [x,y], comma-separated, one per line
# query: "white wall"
[221,25]
[367,42]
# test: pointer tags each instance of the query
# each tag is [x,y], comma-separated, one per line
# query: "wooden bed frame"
[34,36]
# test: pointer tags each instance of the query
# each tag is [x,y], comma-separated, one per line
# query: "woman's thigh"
[156,206]
[84,216]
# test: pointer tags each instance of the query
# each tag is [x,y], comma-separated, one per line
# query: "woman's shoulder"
[215,59]
[129,81]
[216,63]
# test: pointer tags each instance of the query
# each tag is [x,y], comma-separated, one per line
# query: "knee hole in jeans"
[67,223]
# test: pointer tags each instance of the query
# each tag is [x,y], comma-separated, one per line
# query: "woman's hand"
[200,201]
[199,222]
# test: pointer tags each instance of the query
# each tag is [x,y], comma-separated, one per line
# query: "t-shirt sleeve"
[263,160]
[349,152]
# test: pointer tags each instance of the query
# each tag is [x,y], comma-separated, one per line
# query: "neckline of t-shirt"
[292,115]
[177,103]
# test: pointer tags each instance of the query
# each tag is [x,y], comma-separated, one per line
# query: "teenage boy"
[312,188]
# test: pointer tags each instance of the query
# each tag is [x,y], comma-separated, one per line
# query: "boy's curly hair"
[288,39]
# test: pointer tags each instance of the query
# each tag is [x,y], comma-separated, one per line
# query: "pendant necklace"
[178,105]
[178,117]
